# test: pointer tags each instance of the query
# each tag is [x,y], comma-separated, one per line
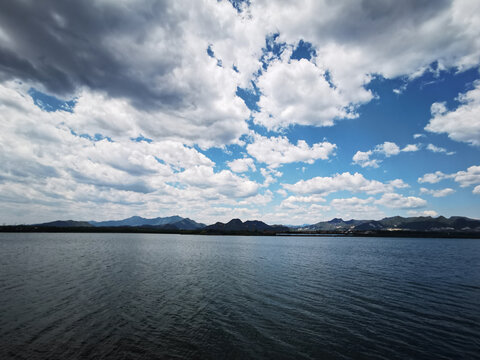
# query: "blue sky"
[289,114]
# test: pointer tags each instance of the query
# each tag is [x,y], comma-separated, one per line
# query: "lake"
[147,296]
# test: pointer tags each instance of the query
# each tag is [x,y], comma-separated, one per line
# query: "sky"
[290,112]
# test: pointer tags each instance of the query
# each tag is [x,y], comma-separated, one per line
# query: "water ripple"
[124,296]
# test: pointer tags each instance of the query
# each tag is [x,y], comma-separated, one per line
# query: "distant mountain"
[66,223]
[184,224]
[236,225]
[171,222]
[137,221]
[421,223]
[454,224]
[332,225]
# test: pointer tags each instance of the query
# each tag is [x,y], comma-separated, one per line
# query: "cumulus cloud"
[432,178]
[431,213]
[270,176]
[469,177]
[173,77]
[461,124]
[411,148]
[298,214]
[297,92]
[398,201]
[141,69]
[307,211]
[353,201]
[398,184]
[275,151]
[414,35]
[465,178]
[171,86]
[223,182]
[386,149]
[282,192]
[476,190]
[242,165]
[437,193]
[342,182]
[438,149]
[292,202]
[351,51]
[59,172]
[313,208]
[355,207]
[259,199]
[362,158]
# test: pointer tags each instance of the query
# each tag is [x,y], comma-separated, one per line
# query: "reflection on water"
[136,296]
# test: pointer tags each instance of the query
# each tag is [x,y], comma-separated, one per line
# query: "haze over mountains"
[337,225]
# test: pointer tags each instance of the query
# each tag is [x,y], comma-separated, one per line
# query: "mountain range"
[457,224]
[236,225]
[171,222]
[167,223]
[396,223]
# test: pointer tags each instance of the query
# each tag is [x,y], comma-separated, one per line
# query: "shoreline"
[147,230]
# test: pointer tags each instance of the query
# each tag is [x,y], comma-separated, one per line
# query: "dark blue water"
[124,296]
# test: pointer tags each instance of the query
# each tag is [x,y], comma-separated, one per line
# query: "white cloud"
[282,192]
[292,202]
[400,89]
[171,89]
[225,213]
[438,149]
[221,124]
[397,201]
[432,178]
[298,214]
[351,51]
[223,182]
[351,201]
[354,207]
[476,190]
[469,177]
[388,149]
[461,124]
[275,151]
[297,92]
[259,199]
[174,93]
[270,176]
[437,193]
[49,172]
[342,182]
[411,148]
[465,178]
[416,136]
[362,158]
[242,165]
[317,207]
[398,184]
[431,213]
[179,91]
[306,199]
[303,211]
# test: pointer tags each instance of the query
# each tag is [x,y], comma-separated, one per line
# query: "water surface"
[138,296]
